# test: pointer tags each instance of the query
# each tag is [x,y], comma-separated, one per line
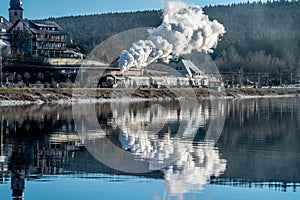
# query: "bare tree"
[26,76]
[40,76]
[20,42]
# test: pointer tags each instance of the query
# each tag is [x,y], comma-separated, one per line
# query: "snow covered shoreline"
[13,97]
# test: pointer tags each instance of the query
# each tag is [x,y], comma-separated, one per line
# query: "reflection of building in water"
[26,151]
[31,160]
[20,166]
[3,154]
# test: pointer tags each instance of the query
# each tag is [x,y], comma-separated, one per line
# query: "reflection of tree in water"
[163,136]
[260,141]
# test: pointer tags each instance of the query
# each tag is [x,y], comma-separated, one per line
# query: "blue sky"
[37,9]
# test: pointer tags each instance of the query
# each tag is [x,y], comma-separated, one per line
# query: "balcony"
[49,40]
[49,48]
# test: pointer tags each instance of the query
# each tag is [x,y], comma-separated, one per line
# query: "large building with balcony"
[38,39]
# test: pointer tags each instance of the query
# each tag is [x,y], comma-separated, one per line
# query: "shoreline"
[26,96]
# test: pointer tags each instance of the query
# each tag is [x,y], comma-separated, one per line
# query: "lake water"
[230,149]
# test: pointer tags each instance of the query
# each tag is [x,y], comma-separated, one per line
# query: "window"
[16,13]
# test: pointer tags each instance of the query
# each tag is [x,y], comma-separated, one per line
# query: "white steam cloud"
[183,30]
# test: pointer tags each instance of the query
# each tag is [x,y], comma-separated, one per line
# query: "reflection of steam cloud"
[191,167]
[186,166]
[194,169]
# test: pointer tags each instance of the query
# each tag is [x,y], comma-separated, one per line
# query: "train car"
[112,81]
[137,82]
[183,82]
[171,81]
[157,81]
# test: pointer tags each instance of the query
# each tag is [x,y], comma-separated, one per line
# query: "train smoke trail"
[183,30]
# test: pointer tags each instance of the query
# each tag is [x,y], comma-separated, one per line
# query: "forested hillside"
[91,30]
[260,37]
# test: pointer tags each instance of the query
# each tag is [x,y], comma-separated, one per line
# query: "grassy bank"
[54,95]
[262,92]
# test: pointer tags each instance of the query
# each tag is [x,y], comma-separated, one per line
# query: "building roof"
[49,26]
[41,27]
[4,43]
[4,23]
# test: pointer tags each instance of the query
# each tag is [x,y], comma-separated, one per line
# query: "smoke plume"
[183,30]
